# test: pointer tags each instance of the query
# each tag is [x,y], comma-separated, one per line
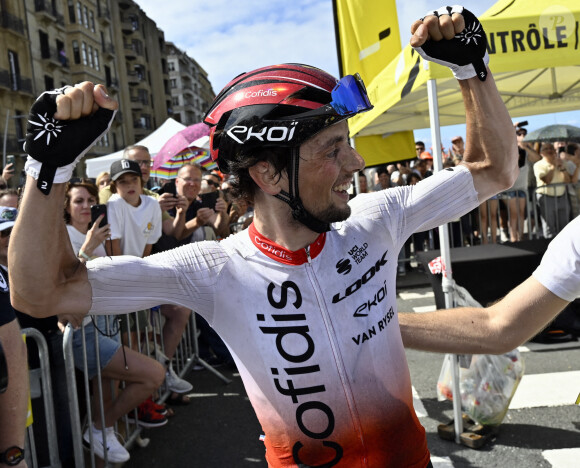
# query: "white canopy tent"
[154,142]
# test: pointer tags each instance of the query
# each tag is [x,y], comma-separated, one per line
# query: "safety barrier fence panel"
[146,338]
[41,387]
[506,217]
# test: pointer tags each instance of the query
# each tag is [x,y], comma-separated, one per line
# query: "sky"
[231,37]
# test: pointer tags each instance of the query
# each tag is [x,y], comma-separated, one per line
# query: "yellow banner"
[531,34]
[369,35]
[377,150]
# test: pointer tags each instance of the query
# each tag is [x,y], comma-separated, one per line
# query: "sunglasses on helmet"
[349,97]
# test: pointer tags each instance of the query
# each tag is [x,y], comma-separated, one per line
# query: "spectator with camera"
[553,205]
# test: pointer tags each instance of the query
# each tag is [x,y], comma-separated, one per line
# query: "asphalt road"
[219,429]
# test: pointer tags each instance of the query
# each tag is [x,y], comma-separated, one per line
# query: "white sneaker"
[175,383]
[116,453]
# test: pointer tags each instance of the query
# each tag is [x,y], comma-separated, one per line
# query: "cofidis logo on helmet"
[260,93]
[242,134]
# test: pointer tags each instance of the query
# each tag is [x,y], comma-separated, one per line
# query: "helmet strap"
[299,213]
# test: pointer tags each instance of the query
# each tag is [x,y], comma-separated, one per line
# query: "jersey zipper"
[336,352]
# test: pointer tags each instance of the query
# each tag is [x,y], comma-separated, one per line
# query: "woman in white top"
[141,374]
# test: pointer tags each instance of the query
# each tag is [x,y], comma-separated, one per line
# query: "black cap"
[124,166]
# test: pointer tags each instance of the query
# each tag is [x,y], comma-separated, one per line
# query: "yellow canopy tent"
[534,57]
[367,35]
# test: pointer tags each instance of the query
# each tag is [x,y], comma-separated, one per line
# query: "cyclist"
[304,298]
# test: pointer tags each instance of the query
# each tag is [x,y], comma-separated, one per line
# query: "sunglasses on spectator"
[212,182]
[5,233]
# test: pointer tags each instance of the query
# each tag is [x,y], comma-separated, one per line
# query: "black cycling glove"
[466,54]
[55,146]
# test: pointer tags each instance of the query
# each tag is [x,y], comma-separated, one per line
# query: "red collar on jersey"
[281,254]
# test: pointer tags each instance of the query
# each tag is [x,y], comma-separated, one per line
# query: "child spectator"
[135,218]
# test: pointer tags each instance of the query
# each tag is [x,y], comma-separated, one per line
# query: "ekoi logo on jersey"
[242,134]
[308,408]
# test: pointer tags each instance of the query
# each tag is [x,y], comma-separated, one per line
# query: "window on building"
[175,100]
[97,65]
[48,83]
[86,17]
[173,83]
[84,52]
[79,13]
[108,77]
[14,70]
[143,96]
[90,57]
[62,58]
[171,66]
[76,52]
[44,47]
[71,11]
[19,124]
[92,20]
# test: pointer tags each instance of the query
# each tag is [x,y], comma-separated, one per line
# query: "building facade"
[47,44]
[191,91]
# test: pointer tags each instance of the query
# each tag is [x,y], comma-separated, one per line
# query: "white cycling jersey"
[315,332]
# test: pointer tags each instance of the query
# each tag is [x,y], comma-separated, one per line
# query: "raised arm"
[46,277]
[491,148]
[519,316]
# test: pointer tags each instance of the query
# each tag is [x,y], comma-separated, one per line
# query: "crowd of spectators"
[139,221]
[545,196]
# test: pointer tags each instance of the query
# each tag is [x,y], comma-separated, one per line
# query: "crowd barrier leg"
[197,358]
[187,352]
[42,375]
[73,397]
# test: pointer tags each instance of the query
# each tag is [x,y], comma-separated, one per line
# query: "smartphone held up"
[96,211]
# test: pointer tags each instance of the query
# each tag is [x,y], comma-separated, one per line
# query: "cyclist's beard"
[332,214]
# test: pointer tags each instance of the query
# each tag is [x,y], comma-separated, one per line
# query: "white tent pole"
[445,251]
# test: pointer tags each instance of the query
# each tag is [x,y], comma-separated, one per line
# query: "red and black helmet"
[280,105]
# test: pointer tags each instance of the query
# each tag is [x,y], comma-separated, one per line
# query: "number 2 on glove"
[466,54]
[60,143]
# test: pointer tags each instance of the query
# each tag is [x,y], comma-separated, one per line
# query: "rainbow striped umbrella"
[168,170]
[189,144]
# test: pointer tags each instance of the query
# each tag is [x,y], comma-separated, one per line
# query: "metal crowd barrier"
[467,230]
[41,387]
[186,355]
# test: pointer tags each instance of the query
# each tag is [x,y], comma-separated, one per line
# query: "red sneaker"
[147,416]
[161,409]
